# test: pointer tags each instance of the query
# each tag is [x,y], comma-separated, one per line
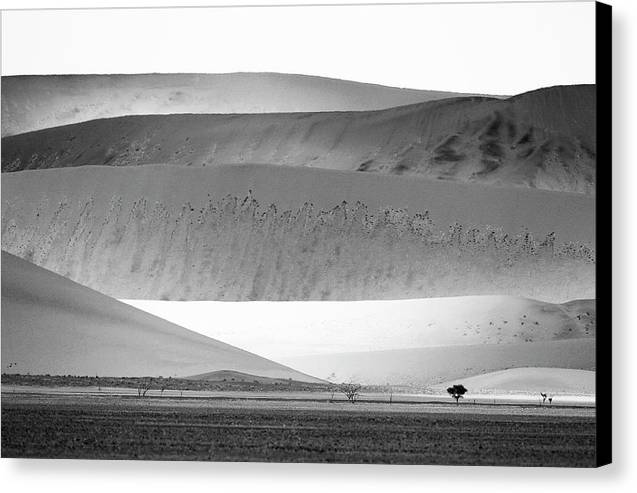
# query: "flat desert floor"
[228,428]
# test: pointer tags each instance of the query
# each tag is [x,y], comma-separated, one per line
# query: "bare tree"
[351,390]
[162,385]
[389,390]
[457,392]
[544,396]
[143,386]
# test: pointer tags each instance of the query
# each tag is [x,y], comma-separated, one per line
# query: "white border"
[26,476]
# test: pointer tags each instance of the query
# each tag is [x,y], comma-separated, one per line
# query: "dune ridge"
[34,102]
[542,139]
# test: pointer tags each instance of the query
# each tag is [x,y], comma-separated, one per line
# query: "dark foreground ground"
[171,429]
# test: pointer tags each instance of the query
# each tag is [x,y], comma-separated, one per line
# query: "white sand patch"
[291,329]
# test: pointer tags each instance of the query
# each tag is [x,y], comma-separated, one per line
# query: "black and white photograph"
[291,234]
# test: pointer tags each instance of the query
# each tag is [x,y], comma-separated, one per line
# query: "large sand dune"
[34,102]
[166,232]
[546,380]
[571,216]
[288,329]
[434,365]
[542,139]
[55,326]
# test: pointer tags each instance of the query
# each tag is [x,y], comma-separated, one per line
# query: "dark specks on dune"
[365,165]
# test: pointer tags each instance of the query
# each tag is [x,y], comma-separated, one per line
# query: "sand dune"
[434,365]
[166,232]
[571,216]
[410,342]
[547,380]
[36,102]
[236,376]
[55,326]
[542,139]
[287,329]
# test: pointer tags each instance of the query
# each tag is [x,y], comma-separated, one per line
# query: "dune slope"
[166,232]
[53,325]
[547,380]
[542,139]
[34,102]
[434,365]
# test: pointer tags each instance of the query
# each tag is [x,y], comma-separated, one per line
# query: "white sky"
[484,48]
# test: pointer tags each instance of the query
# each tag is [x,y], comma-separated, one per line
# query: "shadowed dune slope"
[542,139]
[53,325]
[34,102]
[547,380]
[433,365]
[166,232]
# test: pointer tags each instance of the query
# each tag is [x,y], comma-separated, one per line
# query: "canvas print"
[315,243]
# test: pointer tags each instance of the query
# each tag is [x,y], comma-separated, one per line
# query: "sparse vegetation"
[143,386]
[350,390]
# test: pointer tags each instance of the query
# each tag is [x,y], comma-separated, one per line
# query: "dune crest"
[542,139]
[54,100]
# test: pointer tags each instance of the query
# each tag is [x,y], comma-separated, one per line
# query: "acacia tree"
[457,391]
[350,390]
